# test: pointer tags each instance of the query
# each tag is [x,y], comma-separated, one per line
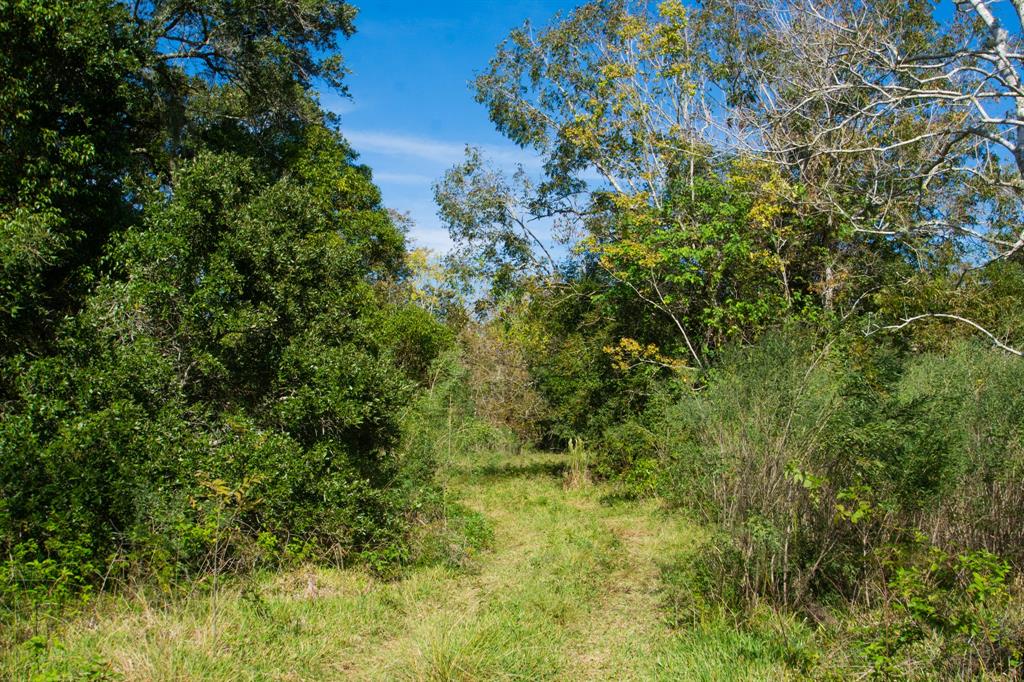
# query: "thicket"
[208,337]
[860,475]
[787,303]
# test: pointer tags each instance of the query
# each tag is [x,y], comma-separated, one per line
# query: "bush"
[454,538]
[818,462]
[503,392]
[974,406]
[231,394]
[856,480]
[629,454]
[949,614]
[443,424]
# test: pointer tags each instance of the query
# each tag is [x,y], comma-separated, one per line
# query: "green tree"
[622,102]
[202,353]
[66,143]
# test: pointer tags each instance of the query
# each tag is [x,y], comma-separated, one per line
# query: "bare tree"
[902,123]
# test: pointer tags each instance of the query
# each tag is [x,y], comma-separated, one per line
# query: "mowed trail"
[571,589]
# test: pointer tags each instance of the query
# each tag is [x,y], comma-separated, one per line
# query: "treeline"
[208,348]
[770,273]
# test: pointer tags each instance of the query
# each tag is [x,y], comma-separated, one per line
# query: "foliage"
[496,238]
[217,353]
[819,464]
[455,539]
[201,367]
[67,130]
[964,602]
[723,258]
[444,422]
[741,230]
[646,181]
[503,391]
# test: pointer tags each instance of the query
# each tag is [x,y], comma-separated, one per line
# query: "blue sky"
[412,111]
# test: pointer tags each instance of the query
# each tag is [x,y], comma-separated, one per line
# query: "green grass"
[571,590]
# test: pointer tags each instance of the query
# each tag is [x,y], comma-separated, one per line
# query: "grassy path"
[571,590]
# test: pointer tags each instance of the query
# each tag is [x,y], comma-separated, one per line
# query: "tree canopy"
[193,293]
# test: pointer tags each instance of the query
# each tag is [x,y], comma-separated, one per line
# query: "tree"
[489,219]
[626,106]
[67,108]
[907,128]
[226,367]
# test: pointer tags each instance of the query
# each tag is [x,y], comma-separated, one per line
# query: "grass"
[571,590]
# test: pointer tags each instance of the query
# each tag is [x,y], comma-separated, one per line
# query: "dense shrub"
[503,391]
[818,462]
[629,453]
[950,615]
[237,380]
[199,366]
[857,477]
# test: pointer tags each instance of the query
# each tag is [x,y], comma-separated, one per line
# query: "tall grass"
[443,424]
[577,473]
[858,476]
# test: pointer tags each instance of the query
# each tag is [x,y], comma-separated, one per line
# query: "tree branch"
[964,320]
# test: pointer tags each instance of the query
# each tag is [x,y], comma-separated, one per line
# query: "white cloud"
[403,178]
[404,145]
[426,229]
[443,152]
[406,166]
[433,238]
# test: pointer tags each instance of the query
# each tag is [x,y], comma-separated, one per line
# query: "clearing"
[571,589]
